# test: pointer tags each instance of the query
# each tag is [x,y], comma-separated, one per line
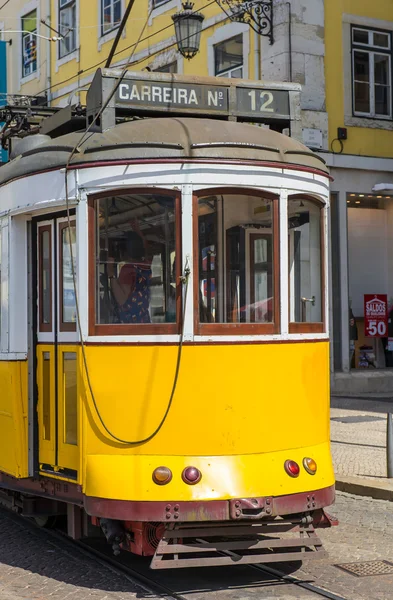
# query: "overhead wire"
[101,62]
[184,280]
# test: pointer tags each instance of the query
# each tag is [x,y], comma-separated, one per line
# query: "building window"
[228,57]
[170,68]
[111,15]
[29,43]
[371,72]
[157,3]
[67,26]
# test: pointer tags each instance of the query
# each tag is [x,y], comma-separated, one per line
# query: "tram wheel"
[45,521]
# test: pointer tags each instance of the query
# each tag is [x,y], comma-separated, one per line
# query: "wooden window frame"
[63,325]
[45,327]
[123,329]
[318,326]
[238,328]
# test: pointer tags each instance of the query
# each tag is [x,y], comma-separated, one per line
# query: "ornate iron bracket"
[256,13]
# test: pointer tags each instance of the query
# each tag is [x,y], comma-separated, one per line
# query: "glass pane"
[362,66]
[381,39]
[116,12]
[46,292]
[235,248]
[382,100]
[70,399]
[29,22]
[360,36]
[362,97]
[135,259]
[304,225]
[228,54]
[46,388]
[68,299]
[171,68]
[381,68]
[107,20]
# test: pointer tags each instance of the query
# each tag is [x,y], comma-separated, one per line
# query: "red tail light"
[292,468]
[191,475]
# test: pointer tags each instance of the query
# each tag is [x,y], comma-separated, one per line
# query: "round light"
[191,475]
[292,468]
[310,465]
[162,475]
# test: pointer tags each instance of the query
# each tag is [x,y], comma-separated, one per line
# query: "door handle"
[304,300]
[311,300]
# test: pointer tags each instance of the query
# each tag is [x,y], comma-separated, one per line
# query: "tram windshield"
[135,259]
[236,250]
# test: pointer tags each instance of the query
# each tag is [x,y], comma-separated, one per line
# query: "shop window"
[67,26]
[237,263]
[305,265]
[67,272]
[228,57]
[137,268]
[29,43]
[371,73]
[111,15]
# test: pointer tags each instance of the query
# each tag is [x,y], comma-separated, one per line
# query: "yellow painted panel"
[46,404]
[13,418]
[229,400]
[130,477]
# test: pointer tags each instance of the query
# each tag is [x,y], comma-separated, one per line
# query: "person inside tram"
[130,286]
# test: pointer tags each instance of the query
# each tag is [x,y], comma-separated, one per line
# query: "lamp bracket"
[258,14]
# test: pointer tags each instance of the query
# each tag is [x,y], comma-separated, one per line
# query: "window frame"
[24,35]
[67,4]
[317,326]
[45,327]
[228,72]
[127,329]
[238,328]
[103,32]
[64,325]
[372,50]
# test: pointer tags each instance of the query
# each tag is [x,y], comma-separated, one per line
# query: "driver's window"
[237,238]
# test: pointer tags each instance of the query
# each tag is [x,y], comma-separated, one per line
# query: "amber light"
[162,475]
[191,475]
[292,468]
[310,465]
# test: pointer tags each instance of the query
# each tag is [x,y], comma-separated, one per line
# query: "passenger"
[131,288]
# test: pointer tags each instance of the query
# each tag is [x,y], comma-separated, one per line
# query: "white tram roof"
[164,138]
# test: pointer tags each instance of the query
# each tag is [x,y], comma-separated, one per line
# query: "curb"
[364,487]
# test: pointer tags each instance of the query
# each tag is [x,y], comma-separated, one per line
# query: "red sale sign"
[375,315]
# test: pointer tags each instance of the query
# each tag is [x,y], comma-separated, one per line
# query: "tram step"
[197,545]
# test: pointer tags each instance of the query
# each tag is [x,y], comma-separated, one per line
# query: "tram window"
[305,261]
[45,275]
[135,259]
[236,249]
[67,291]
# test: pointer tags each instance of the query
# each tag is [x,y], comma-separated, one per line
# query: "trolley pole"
[389,445]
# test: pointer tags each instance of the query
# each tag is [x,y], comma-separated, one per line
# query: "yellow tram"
[164,364]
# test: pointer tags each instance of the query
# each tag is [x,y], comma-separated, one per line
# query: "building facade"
[340,51]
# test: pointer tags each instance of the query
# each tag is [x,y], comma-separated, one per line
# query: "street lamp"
[188,27]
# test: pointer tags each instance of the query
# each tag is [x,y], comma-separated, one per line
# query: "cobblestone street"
[34,566]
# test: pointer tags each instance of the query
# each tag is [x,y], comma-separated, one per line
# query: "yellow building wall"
[361,140]
[13,418]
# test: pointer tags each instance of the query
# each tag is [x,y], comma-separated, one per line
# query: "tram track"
[151,584]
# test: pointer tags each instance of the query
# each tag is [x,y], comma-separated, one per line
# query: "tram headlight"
[191,475]
[310,465]
[292,468]
[162,475]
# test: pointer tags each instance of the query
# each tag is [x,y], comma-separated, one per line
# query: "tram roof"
[164,138]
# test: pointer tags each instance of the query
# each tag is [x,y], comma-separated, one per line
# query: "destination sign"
[142,93]
[154,94]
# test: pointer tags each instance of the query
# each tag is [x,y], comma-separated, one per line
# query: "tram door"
[56,347]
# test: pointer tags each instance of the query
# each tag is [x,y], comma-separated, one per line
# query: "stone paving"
[358,436]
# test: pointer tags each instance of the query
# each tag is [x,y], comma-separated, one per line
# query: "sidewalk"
[358,438]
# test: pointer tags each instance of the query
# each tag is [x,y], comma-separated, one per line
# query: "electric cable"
[184,281]
[5,4]
[82,71]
